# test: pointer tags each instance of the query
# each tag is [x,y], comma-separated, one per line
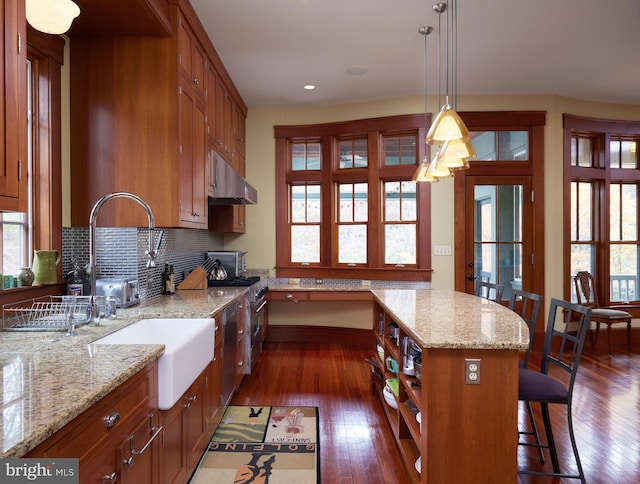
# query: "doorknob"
[470,264]
[471,277]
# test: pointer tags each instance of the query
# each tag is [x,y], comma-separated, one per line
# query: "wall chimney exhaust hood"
[229,188]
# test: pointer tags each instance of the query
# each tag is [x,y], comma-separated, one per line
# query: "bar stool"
[566,331]
[484,288]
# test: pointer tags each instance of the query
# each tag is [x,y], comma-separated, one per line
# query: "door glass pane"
[501,145]
[498,235]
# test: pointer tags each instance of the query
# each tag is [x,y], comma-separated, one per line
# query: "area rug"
[266,445]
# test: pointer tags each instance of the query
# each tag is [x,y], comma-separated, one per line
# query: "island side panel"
[469,431]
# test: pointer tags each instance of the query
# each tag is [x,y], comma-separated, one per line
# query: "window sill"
[386,274]
[21,293]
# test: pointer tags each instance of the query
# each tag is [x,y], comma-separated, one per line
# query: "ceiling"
[586,49]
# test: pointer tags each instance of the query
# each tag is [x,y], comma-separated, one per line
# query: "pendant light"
[51,16]
[425,173]
[448,125]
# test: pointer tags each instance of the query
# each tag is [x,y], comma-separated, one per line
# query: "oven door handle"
[260,307]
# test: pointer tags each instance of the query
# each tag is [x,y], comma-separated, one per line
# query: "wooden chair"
[566,331]
[484,289]
[588,296]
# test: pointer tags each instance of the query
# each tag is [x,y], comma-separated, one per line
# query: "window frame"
[601,175]
[330,134]
[46,53]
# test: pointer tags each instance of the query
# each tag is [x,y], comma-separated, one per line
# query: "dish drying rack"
[47,313]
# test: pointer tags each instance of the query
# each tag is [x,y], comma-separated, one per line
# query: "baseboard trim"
[320,334]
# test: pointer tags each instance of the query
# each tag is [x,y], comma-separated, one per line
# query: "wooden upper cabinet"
[13,108]
[192,163]
[141,121]
[191,57]
[122,17]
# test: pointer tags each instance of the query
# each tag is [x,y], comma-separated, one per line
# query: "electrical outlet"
[472,371]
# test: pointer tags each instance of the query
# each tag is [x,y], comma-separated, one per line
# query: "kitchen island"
[49,378]
[468,430]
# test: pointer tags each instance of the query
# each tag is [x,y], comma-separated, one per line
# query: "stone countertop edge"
[64,376]
[445,319]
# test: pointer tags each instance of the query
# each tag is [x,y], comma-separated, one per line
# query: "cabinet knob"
[111,419]
[128,462]
[196,81]
[241,331]
[289,296]
[111,478]
[241,363]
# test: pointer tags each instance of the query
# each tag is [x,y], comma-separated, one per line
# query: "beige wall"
[260,238]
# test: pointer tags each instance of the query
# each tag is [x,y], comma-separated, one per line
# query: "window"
[602,161]
[41,226]
[346,202]
[16,227]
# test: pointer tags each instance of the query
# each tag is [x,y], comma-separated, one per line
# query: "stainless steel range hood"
[229,187]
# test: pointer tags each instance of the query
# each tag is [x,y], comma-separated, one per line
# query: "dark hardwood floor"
[356,444]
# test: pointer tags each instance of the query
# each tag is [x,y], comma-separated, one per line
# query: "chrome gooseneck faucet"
[92,236]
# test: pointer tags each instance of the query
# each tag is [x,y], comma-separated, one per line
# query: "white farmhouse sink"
[188,350]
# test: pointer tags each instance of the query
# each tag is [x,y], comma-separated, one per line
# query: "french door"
[498,232]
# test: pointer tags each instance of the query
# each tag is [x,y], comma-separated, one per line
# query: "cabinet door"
[13,108]
[192,189]
[214,390]
[138,454]
[197,434]
[173,464]
[191,56]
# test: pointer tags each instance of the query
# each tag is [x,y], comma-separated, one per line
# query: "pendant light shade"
[448,125]
[51,16]
[437,168]
[455,154]
[424,174]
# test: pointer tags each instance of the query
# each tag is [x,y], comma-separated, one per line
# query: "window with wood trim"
[346,204]
[603,213]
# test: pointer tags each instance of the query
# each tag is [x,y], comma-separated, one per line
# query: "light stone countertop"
[48,378]
[454,320]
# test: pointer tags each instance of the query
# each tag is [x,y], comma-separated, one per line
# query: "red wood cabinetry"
[104,436]
[142,115]
[13,107]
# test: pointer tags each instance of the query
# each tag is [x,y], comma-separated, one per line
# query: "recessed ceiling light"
[309,87]
[357,71]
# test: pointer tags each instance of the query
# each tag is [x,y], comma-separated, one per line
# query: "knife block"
[197,279]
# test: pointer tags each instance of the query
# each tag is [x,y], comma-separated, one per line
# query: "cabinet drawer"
[293,296]
[136,397]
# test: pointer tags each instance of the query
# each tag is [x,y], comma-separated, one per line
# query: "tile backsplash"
[120,252]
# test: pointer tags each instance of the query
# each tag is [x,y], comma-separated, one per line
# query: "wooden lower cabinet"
[185,433]
[117,432]
[213,388]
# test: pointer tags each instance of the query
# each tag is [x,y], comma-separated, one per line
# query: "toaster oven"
[233,261]
[124,290]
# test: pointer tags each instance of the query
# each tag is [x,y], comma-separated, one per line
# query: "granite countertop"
[48,378]
[454,320]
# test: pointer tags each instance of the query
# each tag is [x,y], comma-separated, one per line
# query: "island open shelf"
[468,430]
